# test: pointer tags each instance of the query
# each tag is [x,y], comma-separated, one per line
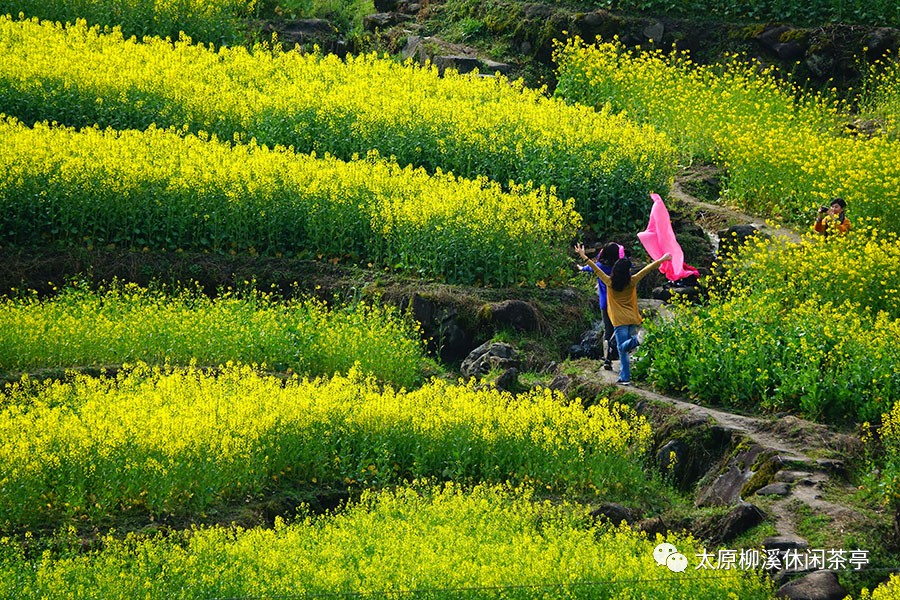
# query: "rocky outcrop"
[732,461]
[445,330]
[732,238]
[487,357]
[517,315]
[383,20]
[444,55]
[687,449]
[821,585]
[614,513]
[508,380]
[723,529]
[306,34]
[590,345]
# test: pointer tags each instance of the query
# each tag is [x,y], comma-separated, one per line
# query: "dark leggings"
[609,336]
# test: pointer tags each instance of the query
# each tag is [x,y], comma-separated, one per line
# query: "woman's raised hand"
[579,249]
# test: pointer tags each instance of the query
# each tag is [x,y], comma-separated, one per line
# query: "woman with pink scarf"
[622,305]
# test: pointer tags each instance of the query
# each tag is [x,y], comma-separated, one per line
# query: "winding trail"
[724,214]
[801,445]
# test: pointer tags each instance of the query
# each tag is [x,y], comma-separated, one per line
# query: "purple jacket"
[601,287]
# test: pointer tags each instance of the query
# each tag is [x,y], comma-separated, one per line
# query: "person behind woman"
[606,258]
[622,305]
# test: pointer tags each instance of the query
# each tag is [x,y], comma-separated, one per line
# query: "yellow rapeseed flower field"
[436,542]
[806,327]
[162,190]
[783,152]
[887,591]
[471,126]
[880,95]
[889,432]
[126,323]
[163,441]
[212,21]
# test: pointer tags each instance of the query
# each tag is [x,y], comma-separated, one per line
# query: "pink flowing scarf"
[659,239]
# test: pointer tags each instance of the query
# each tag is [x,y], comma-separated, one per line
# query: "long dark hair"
[609,254]
[621,274]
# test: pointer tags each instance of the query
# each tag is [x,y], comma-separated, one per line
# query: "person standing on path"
[622,305]
[606,258]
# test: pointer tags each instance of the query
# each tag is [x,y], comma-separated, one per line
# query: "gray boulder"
[732,238]
[614,513]
[508,380]
[442,327]
[490,355]
[727,487]
[779,488]
[561,383]
[820,585]
[459,63]
[590,346]
[512,314]
[727,527]
[384,20]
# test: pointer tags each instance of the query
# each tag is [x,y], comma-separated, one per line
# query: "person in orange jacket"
[832,220]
